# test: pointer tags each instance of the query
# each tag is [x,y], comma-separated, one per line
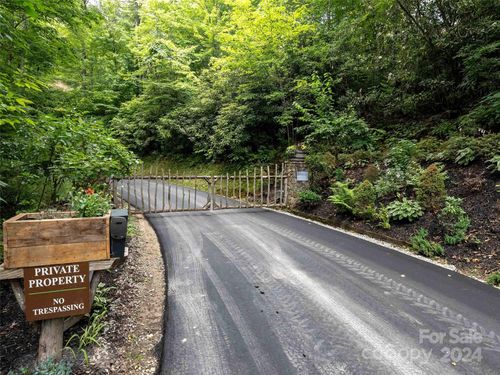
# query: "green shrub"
[430,188]
[423,246]
[290,151]
[371,173]
[401,154]
[454,220]
[396,178]
[381,215]
[494,279]
[427,148]
[90,204]
[364,196]
[494,163]
[309,197]
[342,197]
[322,167]
[48,367]
[404,209]
[465,156]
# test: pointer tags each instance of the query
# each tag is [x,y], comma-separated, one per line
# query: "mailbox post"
[118,232]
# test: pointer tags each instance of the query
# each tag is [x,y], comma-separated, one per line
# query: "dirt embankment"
[479,255]
[132,342]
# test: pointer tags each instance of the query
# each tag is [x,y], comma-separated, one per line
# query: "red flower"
[89,191]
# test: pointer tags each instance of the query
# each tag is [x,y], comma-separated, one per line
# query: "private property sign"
[56,291]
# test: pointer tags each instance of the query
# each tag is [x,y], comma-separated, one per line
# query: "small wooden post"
[212,200]
[248,188]
[281,184]
[183,192]
[143,208]
[275,182]
[156,188]
[169,192]
[227,186]
[163,190]
[261,186]
[51,339]
[268,185]
[128,194]
[176,190]
[234,185]
[195,203]
[239,189]
[254,179]
[149,187]
[221,190]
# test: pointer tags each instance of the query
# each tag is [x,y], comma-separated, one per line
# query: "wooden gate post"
[51,339]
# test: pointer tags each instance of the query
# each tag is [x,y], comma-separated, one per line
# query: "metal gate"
[163,192]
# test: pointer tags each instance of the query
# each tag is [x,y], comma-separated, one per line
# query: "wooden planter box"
[29,240]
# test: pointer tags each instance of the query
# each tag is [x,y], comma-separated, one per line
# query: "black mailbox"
[118,232]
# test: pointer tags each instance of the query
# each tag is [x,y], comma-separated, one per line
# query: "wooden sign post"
[60,259]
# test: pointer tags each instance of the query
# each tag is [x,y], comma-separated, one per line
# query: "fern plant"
[405,209]
[494,164]
[465,156]
[454,220]
[423,246]
[343,197]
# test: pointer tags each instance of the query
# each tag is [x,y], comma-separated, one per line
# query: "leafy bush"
[364,196]
[401,154]
[344,131]
[396,178]
[427,148]
[290,151]
[371,173]
[90,204]
[494,164]
[494,279]
[465,156]
[343,197]
[309,197]
[381,215]
[454,220]
[322,168]
[423,246]
[48,367]
[431,189]
[404,209]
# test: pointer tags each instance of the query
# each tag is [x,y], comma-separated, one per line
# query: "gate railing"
[165,192]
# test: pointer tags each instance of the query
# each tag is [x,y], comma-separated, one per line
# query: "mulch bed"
[479,255]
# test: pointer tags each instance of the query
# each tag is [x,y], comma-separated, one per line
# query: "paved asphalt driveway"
[252,291]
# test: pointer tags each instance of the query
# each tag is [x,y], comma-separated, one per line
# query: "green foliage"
[48,367]
[431,189]
[290,151]
[364,199]
[494,163]
[494,279]
[309,197]
[340,131]
[89,335]
[454,220]
[342,197]
[423,246]
[404,209]
[465,156]
[371,173]
[400,154]
[90,204]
